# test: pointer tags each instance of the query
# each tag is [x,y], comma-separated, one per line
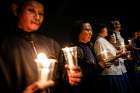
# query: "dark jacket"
[87,64]
[17,66]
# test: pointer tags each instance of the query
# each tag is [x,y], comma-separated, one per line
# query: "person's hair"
[114,23]
[20,4]
[99,27]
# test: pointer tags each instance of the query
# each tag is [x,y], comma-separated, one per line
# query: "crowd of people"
[105,63]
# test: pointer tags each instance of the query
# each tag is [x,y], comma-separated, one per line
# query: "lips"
[35,22]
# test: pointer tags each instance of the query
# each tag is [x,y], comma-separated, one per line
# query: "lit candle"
[43,64]
[130,42]
[105,54]
[123,47]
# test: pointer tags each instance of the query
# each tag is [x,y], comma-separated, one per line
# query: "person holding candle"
[119,41]
[27,54]
[81,36]
[19,49]
[114,78]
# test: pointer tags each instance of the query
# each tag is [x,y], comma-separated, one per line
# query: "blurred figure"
[117,39]
[114,76]
[81,36]
[134,63]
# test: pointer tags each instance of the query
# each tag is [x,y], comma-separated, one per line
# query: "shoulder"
[98,41]
[47,39]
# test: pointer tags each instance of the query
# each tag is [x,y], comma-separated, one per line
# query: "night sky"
[62,13]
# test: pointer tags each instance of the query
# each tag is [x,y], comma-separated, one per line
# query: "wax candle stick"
[43,64]
[123,47]
[105,54]
[130,42]
[70,56]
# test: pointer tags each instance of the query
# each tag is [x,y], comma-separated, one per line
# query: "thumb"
[43,85]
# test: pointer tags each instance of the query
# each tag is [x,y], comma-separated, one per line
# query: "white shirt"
[102,44]
[118,37]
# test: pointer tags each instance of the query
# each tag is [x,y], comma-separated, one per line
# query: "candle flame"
[42,59]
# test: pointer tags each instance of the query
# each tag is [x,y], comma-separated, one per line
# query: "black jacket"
[17,66]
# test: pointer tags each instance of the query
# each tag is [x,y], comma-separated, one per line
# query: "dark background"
[62,13]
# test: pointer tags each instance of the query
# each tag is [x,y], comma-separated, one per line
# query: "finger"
[43,85]
[32,88]
[75,74]
[76,68]
[66,66]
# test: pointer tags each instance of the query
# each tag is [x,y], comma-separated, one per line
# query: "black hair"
[99,27]
[113,24]
[20,4]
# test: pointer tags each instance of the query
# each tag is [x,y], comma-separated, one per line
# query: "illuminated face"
[117,25]
[31,16]
[85,35]
[104,32]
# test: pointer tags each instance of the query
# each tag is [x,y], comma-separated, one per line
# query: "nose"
[37,16]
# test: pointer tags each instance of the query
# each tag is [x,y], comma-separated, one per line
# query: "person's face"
[135,34]
[104,32]
[117,25]
[85,35]
[31,16]
[87,26]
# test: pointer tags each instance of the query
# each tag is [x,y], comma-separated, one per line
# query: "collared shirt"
[119,38]
[102,44]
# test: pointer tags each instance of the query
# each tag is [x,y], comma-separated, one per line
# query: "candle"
[44,75]
[130,42]
[123,47]
[105,54]
[70,56]
[43,64]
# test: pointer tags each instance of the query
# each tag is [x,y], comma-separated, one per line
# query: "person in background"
[81,36]
[136,46]
[134,63]
[118,39]
[114,76]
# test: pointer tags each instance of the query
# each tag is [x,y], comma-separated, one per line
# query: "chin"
[34,28]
